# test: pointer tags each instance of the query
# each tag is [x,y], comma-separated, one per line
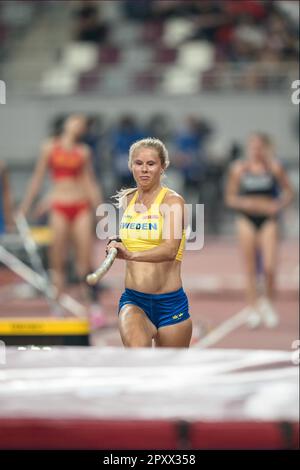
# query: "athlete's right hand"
[114,238]
[123,253]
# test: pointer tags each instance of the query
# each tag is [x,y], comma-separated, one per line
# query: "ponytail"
[121,197]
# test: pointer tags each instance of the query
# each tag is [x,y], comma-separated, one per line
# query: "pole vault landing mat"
[44,331]
[113,398]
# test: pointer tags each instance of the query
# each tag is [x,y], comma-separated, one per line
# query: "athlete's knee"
[57,256]
[269,272]
[57,264]
[250,268]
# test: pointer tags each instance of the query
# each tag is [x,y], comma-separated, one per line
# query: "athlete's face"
[146,167]
[256,148]
[75,126]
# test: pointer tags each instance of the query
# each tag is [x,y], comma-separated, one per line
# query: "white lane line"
[223,330]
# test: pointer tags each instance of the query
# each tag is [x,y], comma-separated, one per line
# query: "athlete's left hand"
[123,253]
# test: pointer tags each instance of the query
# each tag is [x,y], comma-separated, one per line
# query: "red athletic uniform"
[65,163]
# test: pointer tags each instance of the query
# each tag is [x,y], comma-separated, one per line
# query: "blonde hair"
[149,142]
[265,138]
[268,143]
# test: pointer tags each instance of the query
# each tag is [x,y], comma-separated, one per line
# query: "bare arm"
[37,178]
[173,214]
[93,189]
[287,194]
[232,198]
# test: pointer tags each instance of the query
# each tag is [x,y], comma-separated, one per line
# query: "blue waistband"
[167,295]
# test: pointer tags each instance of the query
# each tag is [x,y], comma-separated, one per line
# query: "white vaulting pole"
[95,277]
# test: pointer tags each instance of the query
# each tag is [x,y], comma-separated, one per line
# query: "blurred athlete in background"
[258,188]
[72,200]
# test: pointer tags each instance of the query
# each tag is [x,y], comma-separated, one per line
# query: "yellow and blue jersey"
[141,231]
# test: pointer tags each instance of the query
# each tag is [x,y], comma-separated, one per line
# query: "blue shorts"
[161,309]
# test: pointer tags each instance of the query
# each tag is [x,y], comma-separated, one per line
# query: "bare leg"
[269,245]
[175,336]
[135,327]
[61,231]
[248,243]
[82,236]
